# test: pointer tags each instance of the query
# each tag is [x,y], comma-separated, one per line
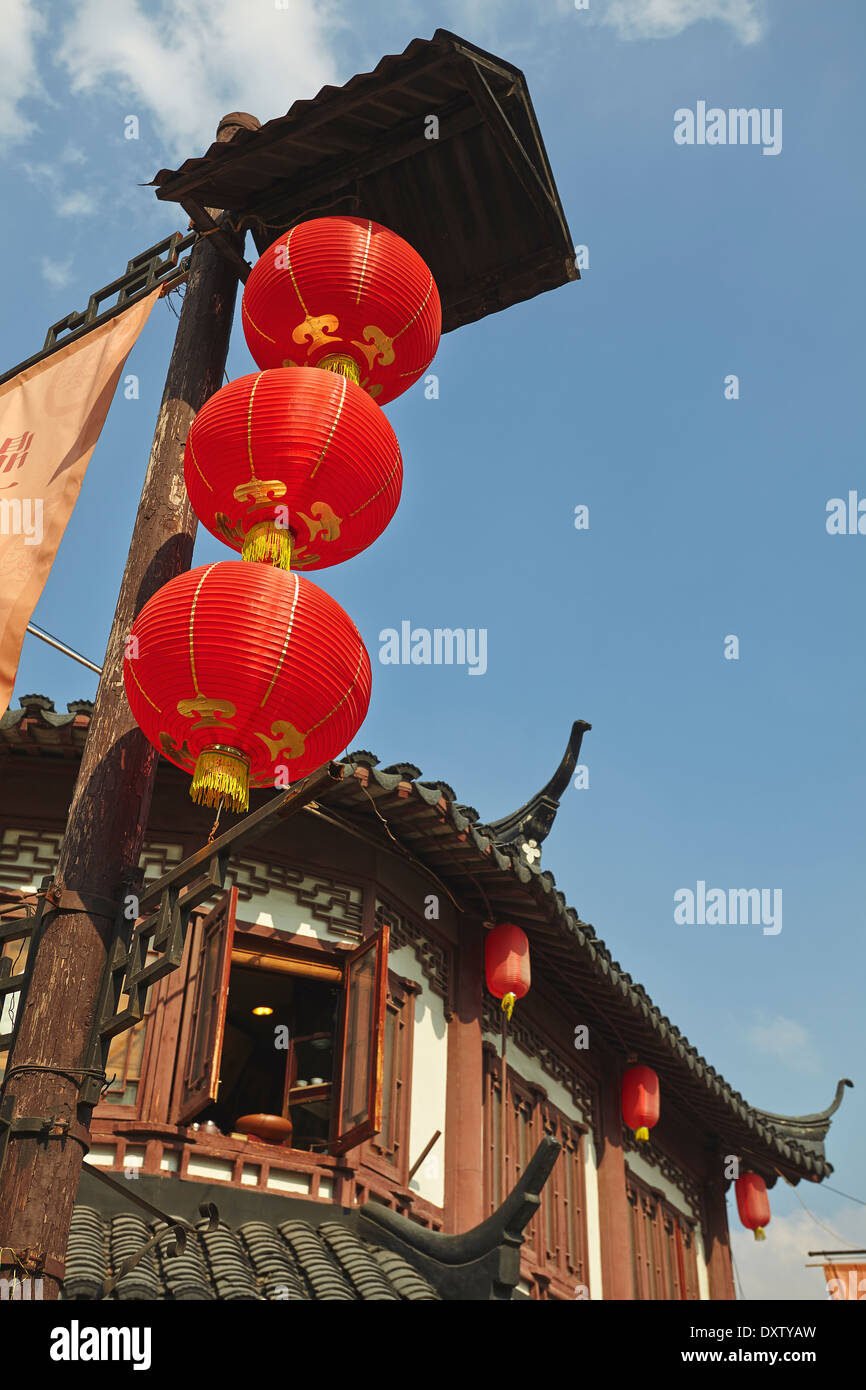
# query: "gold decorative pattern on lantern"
[317,330]
[211,711]
[171,750]
[229,533]
[379,348]
[258,492]
[286,738]
[324,521]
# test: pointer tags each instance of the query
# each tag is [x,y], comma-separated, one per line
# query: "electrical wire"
[859,1200]
[821,1224]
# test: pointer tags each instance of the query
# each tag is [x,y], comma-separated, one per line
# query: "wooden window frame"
[555,1253]
[392,1161]
[344,1140]
[663,1246]
[203,1020]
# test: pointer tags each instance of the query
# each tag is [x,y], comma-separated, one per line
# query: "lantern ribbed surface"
[641,1100]
[506,961]
[244,674]
[347,294]
[753,1203]
[309,448]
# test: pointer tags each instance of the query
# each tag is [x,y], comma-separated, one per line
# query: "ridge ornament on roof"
[531,823]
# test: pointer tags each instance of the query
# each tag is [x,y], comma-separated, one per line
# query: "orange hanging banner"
[846,1282]
[51,415]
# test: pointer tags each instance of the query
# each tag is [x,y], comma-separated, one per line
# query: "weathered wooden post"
[110,807]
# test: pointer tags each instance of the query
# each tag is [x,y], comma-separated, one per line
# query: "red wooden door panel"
[357,1111]
[197,1077]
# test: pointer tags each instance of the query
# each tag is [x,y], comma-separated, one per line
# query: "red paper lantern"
[753,1203]
[245,675]
[346,294]
[640,1100]
[294,460]
[506,963]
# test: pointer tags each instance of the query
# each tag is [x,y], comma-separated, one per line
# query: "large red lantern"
[753,1203]
[640,1100]
[245,675]
[506,963]
[346,294]
[294,466]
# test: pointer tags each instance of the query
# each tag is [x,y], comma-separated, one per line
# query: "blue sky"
[707,515]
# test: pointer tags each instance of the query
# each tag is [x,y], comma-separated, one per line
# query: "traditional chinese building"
[329,1027]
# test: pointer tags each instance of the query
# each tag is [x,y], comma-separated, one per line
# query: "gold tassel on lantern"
[341,363]
[642,1134]
[508,1002]
[268,543]
[221,774]
[760,1233]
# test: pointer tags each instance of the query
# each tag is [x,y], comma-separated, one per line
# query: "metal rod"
[813,1253]
[61,647]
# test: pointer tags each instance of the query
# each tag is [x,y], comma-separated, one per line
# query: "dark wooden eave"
[479,203]
[487,881]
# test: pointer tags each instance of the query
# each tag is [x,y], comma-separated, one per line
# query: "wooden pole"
[109,810]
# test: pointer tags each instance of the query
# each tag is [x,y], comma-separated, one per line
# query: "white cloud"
[787,1041]
[776,1267]
[76,204]
[21,24]
[180,65]
[58,274]
[664,19]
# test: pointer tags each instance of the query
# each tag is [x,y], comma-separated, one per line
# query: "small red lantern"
[245,675]
[346,294]
[506,962]
[297,467]
[753,1203]
[640,1100]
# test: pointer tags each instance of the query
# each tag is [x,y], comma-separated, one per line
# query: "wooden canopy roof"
[478,201]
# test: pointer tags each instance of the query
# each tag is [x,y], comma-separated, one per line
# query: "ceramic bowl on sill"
[273,1129]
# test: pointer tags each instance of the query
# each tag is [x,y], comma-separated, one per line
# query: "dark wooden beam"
[110,806]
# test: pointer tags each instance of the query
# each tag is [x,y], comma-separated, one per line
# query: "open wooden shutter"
[358,1103]
[197,1078]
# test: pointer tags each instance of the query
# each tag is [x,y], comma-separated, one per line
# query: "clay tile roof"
[292,1261]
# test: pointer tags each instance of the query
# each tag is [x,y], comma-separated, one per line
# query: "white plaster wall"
[284,914]
[429,1079]
[593,1220]
[653,1178]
